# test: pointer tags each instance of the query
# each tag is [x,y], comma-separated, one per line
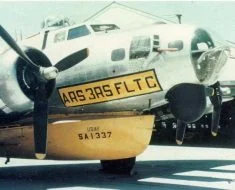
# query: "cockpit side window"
[140,47]
[78,32]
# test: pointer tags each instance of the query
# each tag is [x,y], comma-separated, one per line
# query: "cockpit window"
[104,27]
[78,32]
[201,42]
[140,47]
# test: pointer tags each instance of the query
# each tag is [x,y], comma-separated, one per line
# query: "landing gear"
[227,122]
[121,166]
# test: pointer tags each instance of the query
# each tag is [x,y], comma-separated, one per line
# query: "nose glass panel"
[201,43]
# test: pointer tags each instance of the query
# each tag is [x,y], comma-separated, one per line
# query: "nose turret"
[207,58]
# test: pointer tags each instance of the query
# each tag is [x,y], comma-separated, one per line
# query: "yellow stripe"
[110,89]
[112,138]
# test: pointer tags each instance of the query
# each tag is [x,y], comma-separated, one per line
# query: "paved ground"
[159,167]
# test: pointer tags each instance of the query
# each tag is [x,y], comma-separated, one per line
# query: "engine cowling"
[17,83]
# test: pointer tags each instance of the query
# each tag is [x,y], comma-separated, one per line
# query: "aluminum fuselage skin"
[170,67]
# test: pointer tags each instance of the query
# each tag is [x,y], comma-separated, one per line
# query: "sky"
[28,15]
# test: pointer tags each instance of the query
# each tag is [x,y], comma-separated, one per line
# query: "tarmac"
[159,167]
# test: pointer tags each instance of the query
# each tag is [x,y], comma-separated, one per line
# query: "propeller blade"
[72,60]
[11,42]
[180,131]
[215,121]
[44,75]
[40,117]
[216,101]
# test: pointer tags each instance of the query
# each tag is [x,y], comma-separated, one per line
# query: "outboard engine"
[187,100]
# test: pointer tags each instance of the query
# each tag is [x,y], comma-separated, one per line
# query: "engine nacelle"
[17,82]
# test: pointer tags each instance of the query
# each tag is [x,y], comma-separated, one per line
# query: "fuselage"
[122,68]
[122,53]
[95,110]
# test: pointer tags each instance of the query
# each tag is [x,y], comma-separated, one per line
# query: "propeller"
[216,100]
[180,132]
[188,104]
[41,93]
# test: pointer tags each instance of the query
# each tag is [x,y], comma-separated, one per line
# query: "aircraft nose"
[207,59]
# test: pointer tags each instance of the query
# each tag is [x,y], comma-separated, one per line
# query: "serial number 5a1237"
[94,135]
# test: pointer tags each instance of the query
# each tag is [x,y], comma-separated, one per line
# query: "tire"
[121,166]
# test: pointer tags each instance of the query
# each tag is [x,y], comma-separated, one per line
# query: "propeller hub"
[49,73]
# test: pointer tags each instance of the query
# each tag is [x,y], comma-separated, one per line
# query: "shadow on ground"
[78,176]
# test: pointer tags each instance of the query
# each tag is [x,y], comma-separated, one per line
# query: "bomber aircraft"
[92,91]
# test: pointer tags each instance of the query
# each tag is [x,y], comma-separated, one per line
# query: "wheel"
[121,166]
